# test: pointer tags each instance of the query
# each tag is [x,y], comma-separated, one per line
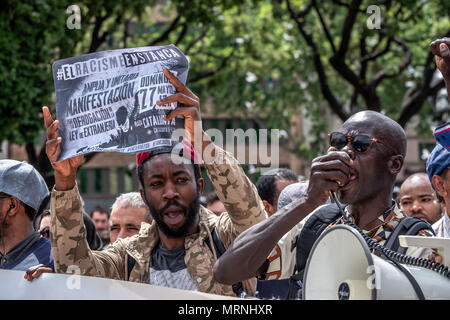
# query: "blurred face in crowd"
[44,226]
[100,220]
[418,199]
[45,222]
[217,207]
[280,185]
[171,192]
[126,222]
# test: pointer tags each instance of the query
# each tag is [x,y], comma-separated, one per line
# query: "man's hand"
[328,172]
[441,49]
[34,272]
[66,170]
[189,108]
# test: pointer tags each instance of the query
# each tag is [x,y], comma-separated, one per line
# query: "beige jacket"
[235,190]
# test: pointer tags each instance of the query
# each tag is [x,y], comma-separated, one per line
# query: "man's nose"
[122,234]
[170,191]
[416,206]
[349,150]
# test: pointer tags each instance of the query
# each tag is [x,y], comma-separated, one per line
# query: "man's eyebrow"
[425,195]
[181,171]
[131,225]
[155,175]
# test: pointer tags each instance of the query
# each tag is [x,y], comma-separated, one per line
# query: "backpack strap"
[312,229]
[130,265]
[304,242]
[220,249]
[407,226]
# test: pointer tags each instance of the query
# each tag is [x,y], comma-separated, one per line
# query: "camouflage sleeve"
[237,193]
[70,248]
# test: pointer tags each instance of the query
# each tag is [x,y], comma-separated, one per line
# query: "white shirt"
[442,226]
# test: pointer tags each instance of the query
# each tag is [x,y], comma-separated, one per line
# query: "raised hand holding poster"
[106,101]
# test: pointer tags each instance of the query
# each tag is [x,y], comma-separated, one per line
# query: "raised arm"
[247,255]
[441,49]
[68,233]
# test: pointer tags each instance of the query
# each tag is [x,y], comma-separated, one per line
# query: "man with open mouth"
[179,248]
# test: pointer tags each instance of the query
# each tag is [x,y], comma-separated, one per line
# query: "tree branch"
[414,99]
[335,105]
[324,27]
[347,29]
[375,55]
[95,39]
[193,42]
[166,33]
[380,76]
[182,34]
[213,72]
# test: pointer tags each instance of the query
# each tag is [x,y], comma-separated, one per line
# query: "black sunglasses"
[360,143]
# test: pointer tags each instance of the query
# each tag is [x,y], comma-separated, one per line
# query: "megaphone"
[341,266]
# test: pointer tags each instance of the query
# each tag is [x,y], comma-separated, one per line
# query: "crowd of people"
[248,239]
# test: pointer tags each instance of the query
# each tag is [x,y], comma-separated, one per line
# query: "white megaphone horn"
[341,266]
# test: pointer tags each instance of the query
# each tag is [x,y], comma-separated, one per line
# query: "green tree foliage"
[274,59]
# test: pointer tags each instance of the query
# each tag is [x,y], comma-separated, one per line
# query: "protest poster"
[106,101]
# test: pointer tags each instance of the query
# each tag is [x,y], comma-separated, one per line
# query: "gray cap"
[23,181]
[291,193]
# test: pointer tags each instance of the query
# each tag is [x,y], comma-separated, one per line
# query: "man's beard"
[190,212]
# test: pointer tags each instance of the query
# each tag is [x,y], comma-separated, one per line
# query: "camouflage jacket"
[235,190]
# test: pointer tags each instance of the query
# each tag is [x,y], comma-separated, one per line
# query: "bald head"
[383,128]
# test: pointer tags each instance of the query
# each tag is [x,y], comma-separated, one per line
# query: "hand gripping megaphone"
[341,266]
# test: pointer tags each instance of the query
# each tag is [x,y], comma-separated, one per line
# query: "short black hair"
[99,209]
[266,184]
[211,198]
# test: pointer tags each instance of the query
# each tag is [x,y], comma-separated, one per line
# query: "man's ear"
[200,185]
[268,207]
[438,183]
[395,164]
[14,206]
[142,192]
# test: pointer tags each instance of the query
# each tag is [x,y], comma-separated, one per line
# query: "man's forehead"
[354,127]
[416,185]
[119,214]
[167,162]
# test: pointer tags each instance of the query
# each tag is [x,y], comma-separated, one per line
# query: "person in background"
[127,214]
[23,195]
[361,166]
[270,185]
[214,204]
[439,160]
[418,199]
[438,169]
[178,248]
[100,217]
[44,224]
